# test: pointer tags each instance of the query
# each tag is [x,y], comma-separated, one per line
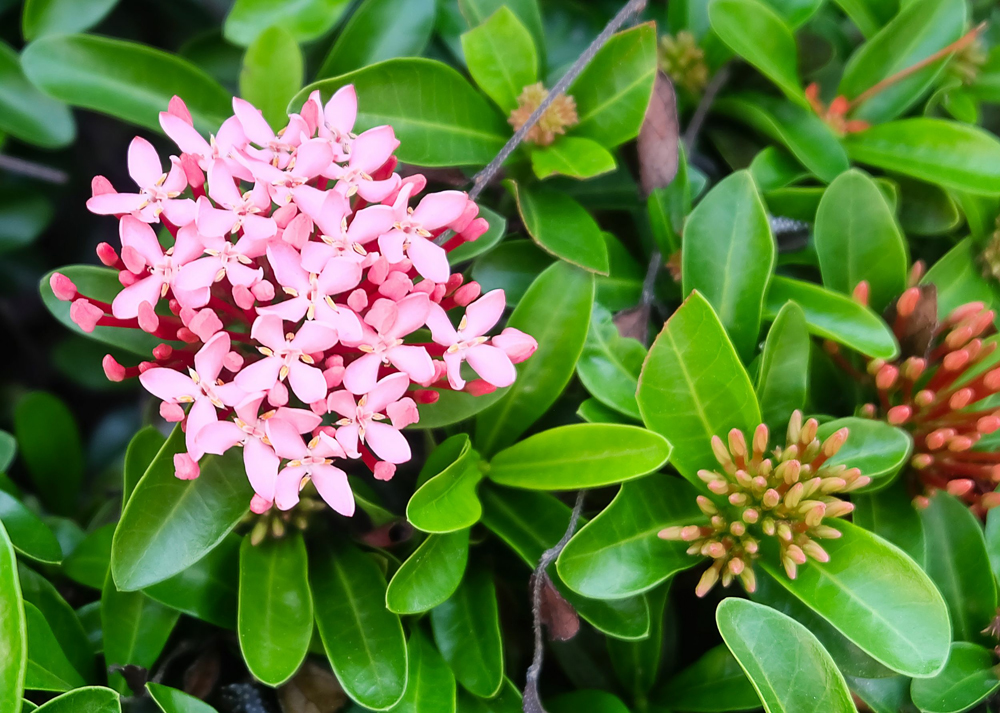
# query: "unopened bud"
[907,302]
[834,442]
[899,414]
[707,581]
[760,439]
[960,487]
[112,369]
[62,287]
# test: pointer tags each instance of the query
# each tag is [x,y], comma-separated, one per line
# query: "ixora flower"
[296,280]
[785,497]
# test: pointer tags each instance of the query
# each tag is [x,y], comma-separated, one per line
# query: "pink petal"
[415,361]
[240,275]
[342,320]
[115,203]
[361,374]
[387,391]
[312,158]
[208,360]
[307,382]
[378,191]
[333,486]
[339,275]
[297,232]
[516,344]
[190,244]
[285,439]
[453,361]
[387,443]
[259,376]
[285,261]
[261,465]
[373,148]
[313,337]
[332,212]
[430,260]
[186,137]
[402,413]
[141,238]
[310,200]
[436,210]
[180,211]
[343,403]
[302,420]
[413,311]
[286,492]
[247,409]
[167,384]
[252,121]
[442,330]
[290,310]
[126,303]
[198,274]
[143,163]
[258,227]
[482,314]
[347,436]
[219,437]
[391,245]
[315,255]
[230,394]
[221,186]
[341,111]
[202,413]
[269,331]
[492,364]
[213,222]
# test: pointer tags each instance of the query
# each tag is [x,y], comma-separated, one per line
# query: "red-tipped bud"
[145,366]
[913,368]
[938,438]
[988,424]
[107,255]
[886,377]
[62,287]
[990,500]
[475,230]
[907,302]
[956,361]
[960,487]
[861,293]
[187,336]
[162,351]
[992,380]
[478,387]
[963,311]
[425,396]
[112,369]
[148,321]
[467,293]
[85,315]
[921,460]
[924,397]
[961,443]
[961,398]
[899,414]
[867,411]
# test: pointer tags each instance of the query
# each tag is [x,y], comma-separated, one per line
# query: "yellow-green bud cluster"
[274,524]
[787,496]
[684,61]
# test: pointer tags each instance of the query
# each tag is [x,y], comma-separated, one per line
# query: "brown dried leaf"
[202,675]
[632,322]
[917,336]
[659,137]
[557,614]
[313,690]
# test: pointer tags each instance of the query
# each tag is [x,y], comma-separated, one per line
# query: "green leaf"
[30,536]
[28,114]
[946,153]
[921,28]
[618,553]
[275,622]
[363,640]
[8,449]
[958,563]
[715,683]
[169,524]
[467,632]
[612,93]
[208,589]
[64,622]
[512,267]
[959,279]
[13,631]
[91,699]
[430,575]
[774,168]
[926,209]
[759,35]
[637,663]
[610,364]
[476,12]
[869,15]
[531,522]
[586,701]
[485,242]
[833,316]
[439,119]
[98,283]
[889,513]
[141,451]
[447,501]
[857,239]
[783,379]
[878,598]
[48,668]
[572,156]
[509,701]
[784,661]
[693,387]
[170,700]
[593,411]
[272,73]
[135,628]
[583,455]
[501,57]
[305,19]
[128,81]
[430,685]
[380,30]
[89,562]
[729,256]
[52,17]
[798,129]
[877,449]
[562,227]
[454,406]
[622,288]
[882,695]
[556,312]
[968,678]
[41,420]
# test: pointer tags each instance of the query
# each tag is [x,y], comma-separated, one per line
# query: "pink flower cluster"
[296,267]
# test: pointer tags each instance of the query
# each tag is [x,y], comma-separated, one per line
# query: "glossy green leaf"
[447,501]
[715,683]
[921,28]
[618,553]
[775,168]
[878,598]
[99,283]
[430,684]
[562,227]
[729,255]
[958,563]
[968,678]
[613,91]
[305,19]
[637,663]
[63,621]
[798,129]
[512,267]
[30,536]
[508,701]
[141,451]
[275,621]
[40,421]
[759,35]
[593,411]
[693,387]
[556,312]
[8,449]
[51,17]
[889,513]
[363,640]
[882,695]
[926,209]
[485,242]
[786,664]
[439,119]
[869,15]
[572,156]
[501,57]
[783,379]
[877,449]
[380,30]
[13,631]
[170,700]
[467,632]
[272,73]
[48,668]
[668,208]
[89,562]
[833,316]
[857,238]
[430,575]
[946,153]
[584,455]
[622,288]
[585,701]
[169,524]
[454,406]
[128,81]
[91,699]
[958,276]
[135,630]
[610,364]
[476,12]
[25,112]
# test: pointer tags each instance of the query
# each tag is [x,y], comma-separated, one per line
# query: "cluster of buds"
[834,115]
[560,115]
[683,61]
[296,266]
[785,497]
[942,394]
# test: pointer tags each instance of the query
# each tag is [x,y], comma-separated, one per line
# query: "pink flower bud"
[243,297]
[438,294]
[907,303]
[378,271]
[476,229]
[861,293]
[263,291]
[357,300]
[233,361]
[112,369]
[467,293]
[205,324]
[284,216]
[62,287]
[454,282]
[185,467]
[187,336]
[899,414]
[162,351]
[988,424]
[384,471]
[960,486]
[85,315]
[259,505]
[402,413]
[478,387]
[278,395]
[396,286]
[148,321]
[133,259]
[318,407]
[145,366]
[298,231]
[517,345]
[469,214]
[172,413]
[192,171]
[426,396]
[425,287]
[107,255]
[334,376]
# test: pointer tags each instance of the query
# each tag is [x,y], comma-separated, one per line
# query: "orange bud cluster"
[786,496]
[560,114]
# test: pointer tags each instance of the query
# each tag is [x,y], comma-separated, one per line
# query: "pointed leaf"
[476,12]
[968,678]
[784,368]
[430,575]
[30,536]
[447,501]
[170,700]
[48,668]
[88,565]
[13,629]
[501,57]
[305,19]
[877,449]
[141,451]
[272,72]
[40,421]
[92,699]
[572,156]
[63,621]
[51,17]
[610,364]
[380,30]
[562,227]
[715,683]
[430,685]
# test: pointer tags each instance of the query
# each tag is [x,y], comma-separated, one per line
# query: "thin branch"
[701,111]
[33,170]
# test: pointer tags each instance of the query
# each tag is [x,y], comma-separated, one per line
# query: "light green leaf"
[501,57]
[593,411]
[380,30]
[48,668]
[877,449]
[968,678]
[273,71]
[13,629]
[305,19]
[572,156]
[91,699]
[141,451]
[610,364]
[30,536]
[882,695]
[430,575]
[783,379]
[715,683]
[170,700]
[25,112]
[476,12]
[430,684]
[959,279]
[447,501]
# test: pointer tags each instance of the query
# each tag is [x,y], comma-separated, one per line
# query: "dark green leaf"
[272,72]
[883,695]
[91,699]
[447,501]
[89,562]
[430,575]
[610,364]
[430,684]
[593,411]
[380,30]
[501,57]
[40,421]
[142,449]
[30,536]
[305,19]
[26,113]
[715,683]
[48,668]
[170,700]
[890,514]
[869,15]
[8,449]
[13,631]
[784,368]
[637,663]
[509,701]
[51,17]
[454,406]
[775,168]
[926,209]
[959,279]
[968,678]
[585,701]
[512,267]
[693,387]
[572,156]
[485,242]
[622,287]
[877,449]
[65,624]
